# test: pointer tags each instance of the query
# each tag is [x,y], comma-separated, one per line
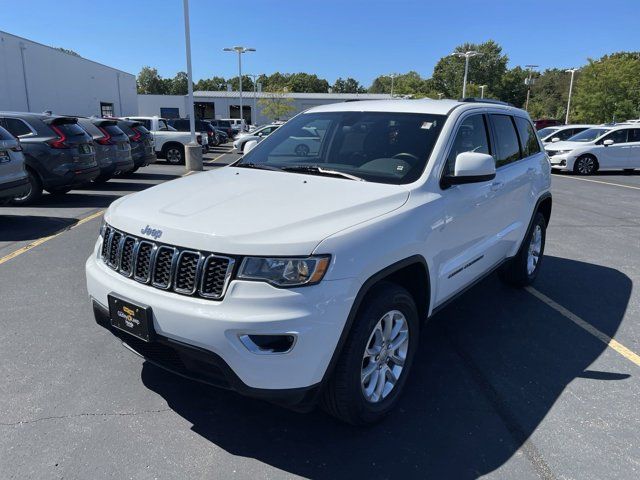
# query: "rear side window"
[70,129]
[634,135]
[113,130]
[142,129]
[618,136]
[17,127]
[507,146]
[528,138]
[471,137]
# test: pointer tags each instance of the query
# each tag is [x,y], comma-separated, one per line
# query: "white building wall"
[150,105]
[49,79]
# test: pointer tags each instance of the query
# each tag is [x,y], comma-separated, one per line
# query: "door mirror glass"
[555,139]
[608,142]
[471,167]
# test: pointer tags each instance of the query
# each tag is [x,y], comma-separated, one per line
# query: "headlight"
[285,272]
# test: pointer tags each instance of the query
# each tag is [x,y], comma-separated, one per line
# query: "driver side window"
[471,137]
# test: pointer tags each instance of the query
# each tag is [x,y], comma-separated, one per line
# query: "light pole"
[240,50]
[393,76]
[254,114]
[572,71]
[193,151]
[467,55]
[482,87]
[529,82]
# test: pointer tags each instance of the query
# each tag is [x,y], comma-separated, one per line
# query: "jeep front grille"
[180,270]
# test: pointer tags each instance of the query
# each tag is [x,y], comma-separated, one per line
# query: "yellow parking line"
[603,337]
[209,162]
[597,181]
[42,240]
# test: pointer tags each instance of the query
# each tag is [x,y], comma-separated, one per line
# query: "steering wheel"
[404,154]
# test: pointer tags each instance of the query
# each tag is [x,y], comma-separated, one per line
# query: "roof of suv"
[39,116]
[425,105]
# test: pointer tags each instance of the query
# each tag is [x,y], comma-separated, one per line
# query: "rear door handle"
[495,186]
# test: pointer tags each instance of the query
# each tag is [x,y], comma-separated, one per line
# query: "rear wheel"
[523,269]
[34,191]
[58,190]
[585,165]
[375,361]
[174,154]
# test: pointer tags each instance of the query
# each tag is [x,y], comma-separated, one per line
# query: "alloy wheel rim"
[535,247]
[27,194]
[173,155]
[585,165]
[384,356]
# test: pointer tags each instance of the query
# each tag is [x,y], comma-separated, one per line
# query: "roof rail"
[485,100]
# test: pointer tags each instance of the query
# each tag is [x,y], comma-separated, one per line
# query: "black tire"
[101,179]
[585,165]
[58,190]
[516,271]
[35,190]
[343,396]
[174,154]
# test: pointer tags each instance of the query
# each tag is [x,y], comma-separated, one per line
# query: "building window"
[169,112]
[106,109]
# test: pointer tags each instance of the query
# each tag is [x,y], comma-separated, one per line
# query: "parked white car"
[258,135]
[303,278]
[561,132]
[169,143]
[598,148]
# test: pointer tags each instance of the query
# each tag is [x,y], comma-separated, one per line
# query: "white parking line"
[598,181]
[603,337]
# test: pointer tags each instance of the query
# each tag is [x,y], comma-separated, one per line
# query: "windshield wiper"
[314,169]
[260,166]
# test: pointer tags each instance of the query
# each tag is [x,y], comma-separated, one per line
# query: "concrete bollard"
[193,157]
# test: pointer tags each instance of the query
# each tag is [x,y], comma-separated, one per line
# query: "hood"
[565,145]
[252,212]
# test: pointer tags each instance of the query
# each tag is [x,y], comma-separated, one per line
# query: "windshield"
[546,131]
[382,147]
[224,123]
[588,135]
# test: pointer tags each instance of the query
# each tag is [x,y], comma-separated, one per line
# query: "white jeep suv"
[604,147]
[299,277]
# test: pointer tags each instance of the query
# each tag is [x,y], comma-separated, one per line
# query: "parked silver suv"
[13,176]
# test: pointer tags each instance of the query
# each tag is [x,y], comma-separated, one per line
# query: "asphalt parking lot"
[539,383]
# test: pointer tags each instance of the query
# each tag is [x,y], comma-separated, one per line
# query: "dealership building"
[226,104]
[38,78]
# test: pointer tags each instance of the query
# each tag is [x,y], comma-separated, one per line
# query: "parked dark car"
[13,177]
[59,155]
[141,141]
[113,152]
[203,126]
[546,122]
[222,135]
[224,125]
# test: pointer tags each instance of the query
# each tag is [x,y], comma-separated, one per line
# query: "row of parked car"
[586,149]
[55,153]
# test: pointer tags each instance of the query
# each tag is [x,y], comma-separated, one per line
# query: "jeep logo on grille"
[152,232]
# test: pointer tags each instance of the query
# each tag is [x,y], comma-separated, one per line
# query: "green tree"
[178,85]
[150,82]
[549,94]
[487,69]
[511,88]
[350,85]
[212,84]
[608,89]
[307,83]
[247,83]
[410,83]
[276,105]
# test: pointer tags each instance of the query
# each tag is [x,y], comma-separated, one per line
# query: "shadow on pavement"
[15,228]
[489,368]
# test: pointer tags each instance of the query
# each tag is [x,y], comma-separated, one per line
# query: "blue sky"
[331,38]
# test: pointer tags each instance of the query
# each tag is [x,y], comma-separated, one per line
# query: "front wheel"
[34,190]
[585,165]
[174,154]
[523,269]
[375,361]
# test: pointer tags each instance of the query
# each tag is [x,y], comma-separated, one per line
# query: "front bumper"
[315,315]
[561,162]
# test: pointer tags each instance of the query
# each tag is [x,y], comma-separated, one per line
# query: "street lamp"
[393,76]
[529,82]
[482,87]
[467,55]
[254,114]
[572,71]
[193,153]
[240,50]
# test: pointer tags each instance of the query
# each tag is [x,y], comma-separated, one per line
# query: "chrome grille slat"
[176,269]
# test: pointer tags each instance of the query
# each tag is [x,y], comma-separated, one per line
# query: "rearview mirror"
[471,167]
[607,142]
[555,139]
[250,145]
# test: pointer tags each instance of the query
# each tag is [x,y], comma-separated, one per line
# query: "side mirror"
[471,167]
[250,145]
[555,139]
[608,142]
[260,134]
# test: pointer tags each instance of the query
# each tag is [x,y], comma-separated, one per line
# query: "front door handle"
[495,186]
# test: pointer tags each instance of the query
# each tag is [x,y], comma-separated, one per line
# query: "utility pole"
[529,81]
[482,87]
[393,76]
[467,55]
[572,71]
[193,151]
[240,50]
